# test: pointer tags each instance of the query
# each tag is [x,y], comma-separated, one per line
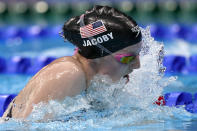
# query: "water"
[52,46]
[112,106]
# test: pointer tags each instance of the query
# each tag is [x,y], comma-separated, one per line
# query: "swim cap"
[104,26]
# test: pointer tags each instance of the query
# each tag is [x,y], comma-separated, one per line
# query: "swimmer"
[108,43]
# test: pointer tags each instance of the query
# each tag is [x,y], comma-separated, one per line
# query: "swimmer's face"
[116,69]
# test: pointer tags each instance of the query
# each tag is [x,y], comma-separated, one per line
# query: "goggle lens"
[126,59]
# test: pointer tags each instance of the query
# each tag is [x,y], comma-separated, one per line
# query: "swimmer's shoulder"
[60,64]
[64,70]
[62,77]
[68,75]
[67,62]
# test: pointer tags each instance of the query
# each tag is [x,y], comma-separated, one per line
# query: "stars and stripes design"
[92,29]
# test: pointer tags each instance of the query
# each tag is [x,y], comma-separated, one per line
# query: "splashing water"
[108,105]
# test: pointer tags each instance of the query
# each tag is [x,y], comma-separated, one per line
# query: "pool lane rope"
[177,99]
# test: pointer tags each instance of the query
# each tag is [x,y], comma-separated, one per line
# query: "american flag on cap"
[92,29]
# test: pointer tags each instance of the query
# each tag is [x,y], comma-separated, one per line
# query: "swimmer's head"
[101,26]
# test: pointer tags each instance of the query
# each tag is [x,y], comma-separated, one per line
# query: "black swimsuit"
[9,114]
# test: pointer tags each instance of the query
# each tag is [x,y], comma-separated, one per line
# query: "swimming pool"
[107,106]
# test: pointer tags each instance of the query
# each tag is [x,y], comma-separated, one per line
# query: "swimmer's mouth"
[127,77]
